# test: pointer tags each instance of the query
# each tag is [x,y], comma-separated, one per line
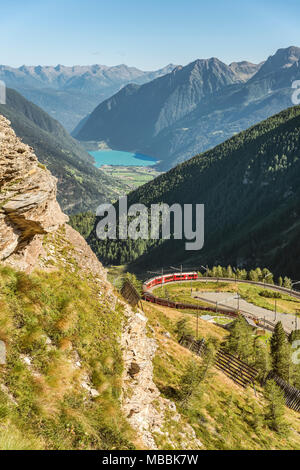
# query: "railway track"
[192,277]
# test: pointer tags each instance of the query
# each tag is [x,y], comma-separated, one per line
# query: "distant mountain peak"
[244,70]
[282,59]
[69,93]
[177,94]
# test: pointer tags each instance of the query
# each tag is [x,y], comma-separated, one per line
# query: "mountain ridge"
[194,81]
[182,128]
[70,93]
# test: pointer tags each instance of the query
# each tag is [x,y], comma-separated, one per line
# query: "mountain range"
[81,186]
[193,108]
[250,186]
[68,94]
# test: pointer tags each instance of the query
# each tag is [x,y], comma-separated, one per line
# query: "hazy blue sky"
[145,34]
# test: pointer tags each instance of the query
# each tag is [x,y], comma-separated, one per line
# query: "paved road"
[230,300]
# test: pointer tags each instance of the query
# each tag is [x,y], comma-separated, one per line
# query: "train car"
[171,278]
[185,276]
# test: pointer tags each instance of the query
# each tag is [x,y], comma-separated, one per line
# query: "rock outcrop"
[28,206]
[155,418]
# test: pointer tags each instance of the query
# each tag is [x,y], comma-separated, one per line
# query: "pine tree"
[229,272]
[294,336]
[195,374]
[268,276]
[240,341]
[259,274]
[294,340]
[263,360]
[183,328]
[253,276]
[280,281]
[134,281]
[276,408]
[287,282]
[219,271]
[280,352]
[242,274]
[214,271]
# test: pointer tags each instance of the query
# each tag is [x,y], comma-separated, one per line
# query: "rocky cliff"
[28,206]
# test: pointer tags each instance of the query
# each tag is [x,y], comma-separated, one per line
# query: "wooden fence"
[291,394]
[240,372]
[234,368]
[130,293]
[195,346]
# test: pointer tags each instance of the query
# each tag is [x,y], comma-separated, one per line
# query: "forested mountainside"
[193,108]
[70,93]
[250,188]
[81,186]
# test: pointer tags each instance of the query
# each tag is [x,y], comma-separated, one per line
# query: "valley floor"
[133,176]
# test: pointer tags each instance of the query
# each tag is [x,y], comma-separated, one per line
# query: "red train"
[156,281]
[162,280]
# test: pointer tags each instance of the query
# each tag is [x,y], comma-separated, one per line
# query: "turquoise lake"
[116,157]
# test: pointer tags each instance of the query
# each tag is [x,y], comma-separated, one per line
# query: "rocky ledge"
[28,206]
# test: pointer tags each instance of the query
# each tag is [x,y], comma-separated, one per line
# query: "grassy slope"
[56,319]
[224,417]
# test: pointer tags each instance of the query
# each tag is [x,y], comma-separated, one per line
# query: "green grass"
[131,176]
[116,274]
[286,304]
[56,319]
[180,292]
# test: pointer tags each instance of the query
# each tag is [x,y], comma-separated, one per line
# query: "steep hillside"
[76,370]
[250,188]
[194,108]
[70,93]
[223,415]
[81,186]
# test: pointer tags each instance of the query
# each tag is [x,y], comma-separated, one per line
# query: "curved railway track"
[191,277]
